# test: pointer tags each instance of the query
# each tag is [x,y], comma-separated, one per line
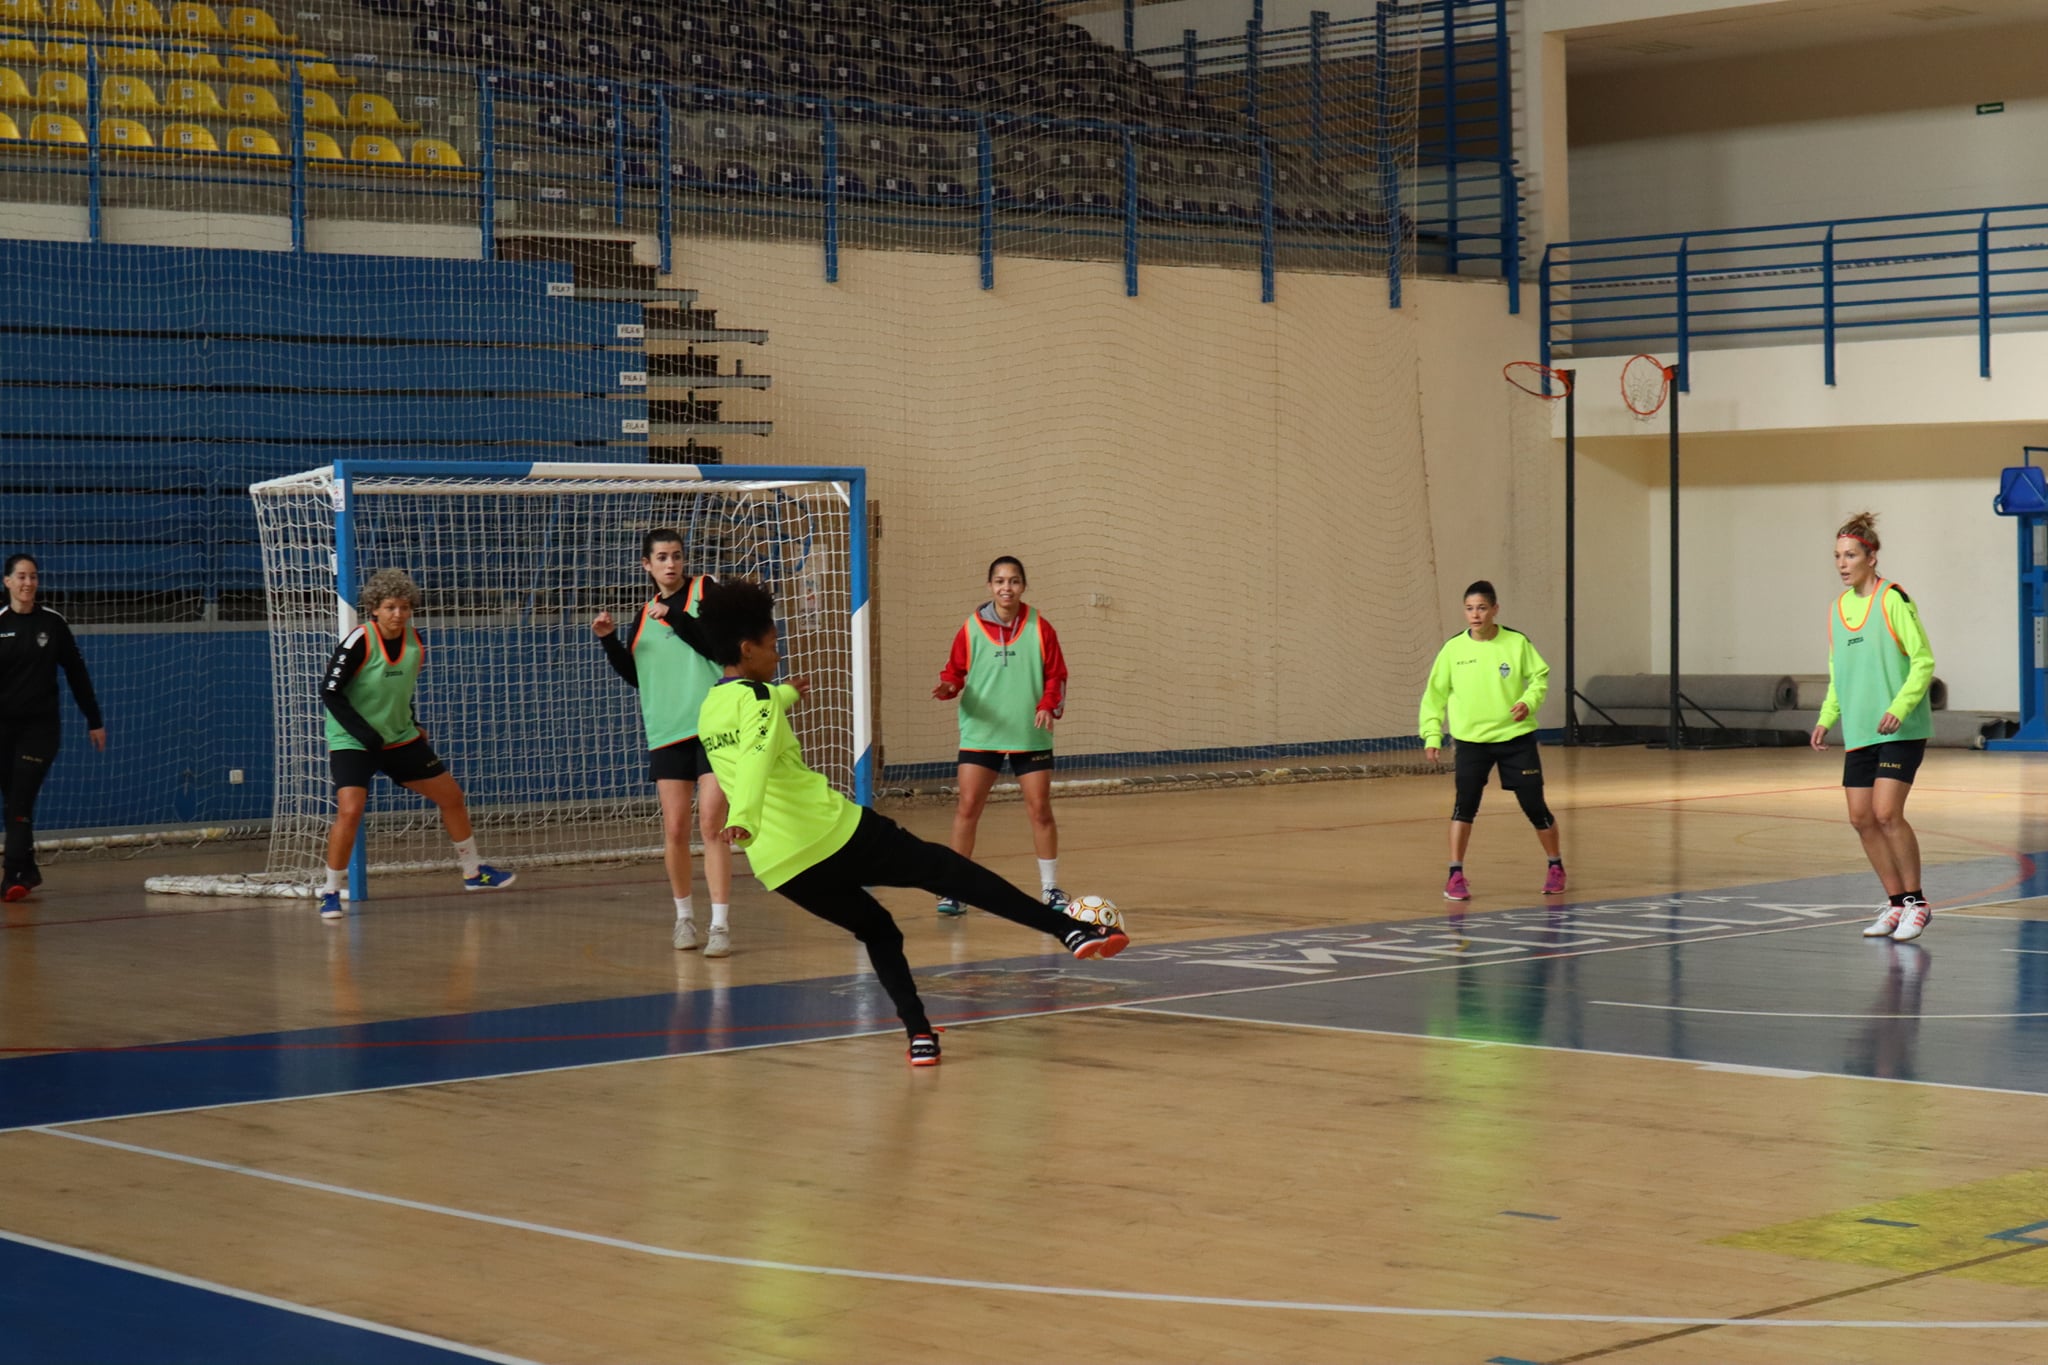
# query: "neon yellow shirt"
[793,818]
[1479,682]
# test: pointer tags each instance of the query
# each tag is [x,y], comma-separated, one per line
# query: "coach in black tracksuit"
[34,643]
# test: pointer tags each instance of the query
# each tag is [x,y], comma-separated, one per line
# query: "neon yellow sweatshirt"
[1875,673]
[1479,681]
[793,818]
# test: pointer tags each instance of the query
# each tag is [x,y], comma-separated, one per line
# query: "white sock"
[683,908]
[1048,873]
[334,880]
[465,849]
[720,915]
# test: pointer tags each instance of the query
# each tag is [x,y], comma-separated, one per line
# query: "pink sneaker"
[1456,888]
[1553,880]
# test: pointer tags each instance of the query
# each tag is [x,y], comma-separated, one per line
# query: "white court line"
[1804,1014]
[250,1296]
[1695,1062]
[1006,1287]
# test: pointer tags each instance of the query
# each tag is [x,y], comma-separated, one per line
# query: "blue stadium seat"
[490,46]
[435,39]
[638,171]
[649,60]
[790,38]
[541,14]
[940,87]
[929,151]
[894,80]
[546,49]
[831,44]
[878,147]
[919,50]
[1027,92]
[1044,197]
[949,189]
[559,124]
[1020,160]
[738,33]
[1158,169]
[847,75]
[773,140]
[850,184]
[967,57]
[895,186]
[1082,162]
[722,137]
[799,71]
[817,11]
[1092,62]
[442,12]
[489,12]
[860,12]
[791,179]
[592,18]
[686,171]
[636,22]
[762,104]
[1048,65]
[737,175]
[600,55]
[910,16]
[707,99]
[692,28]
[700,65]
[877,47]
[1311,215]
[1200,170]
[752,69]
[1006,59]
[1094,199]
[984,89]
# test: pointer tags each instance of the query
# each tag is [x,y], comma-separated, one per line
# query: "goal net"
[514,561]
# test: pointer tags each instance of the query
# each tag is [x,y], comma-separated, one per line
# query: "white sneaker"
[1886,921]
[686,935]
[1913,922]
[719,944]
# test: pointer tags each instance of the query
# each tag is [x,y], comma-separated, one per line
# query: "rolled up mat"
[1813,690]
[1714,692]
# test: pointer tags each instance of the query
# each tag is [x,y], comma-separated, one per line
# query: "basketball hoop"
[1539,381]
[1645,384]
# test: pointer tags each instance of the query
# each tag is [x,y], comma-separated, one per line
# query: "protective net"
[515,694]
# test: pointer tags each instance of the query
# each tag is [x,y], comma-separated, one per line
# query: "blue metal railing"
[1961,270]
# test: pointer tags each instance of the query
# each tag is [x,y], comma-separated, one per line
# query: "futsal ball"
[1096,910]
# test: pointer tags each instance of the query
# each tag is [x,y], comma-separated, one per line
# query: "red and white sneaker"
[1457,888]
[1913,921]
[924,1050]
[1887,920]
[1553,880]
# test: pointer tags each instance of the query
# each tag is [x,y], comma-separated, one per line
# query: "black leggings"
[883,853]
[27,748]
[1531,796]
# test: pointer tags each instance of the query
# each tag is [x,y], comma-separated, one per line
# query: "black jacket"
[32,648]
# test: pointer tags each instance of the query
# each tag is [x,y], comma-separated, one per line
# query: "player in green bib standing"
[371,728]
[1007,670]
[811,845]
[1492,681]
[664,656]
[1879,669]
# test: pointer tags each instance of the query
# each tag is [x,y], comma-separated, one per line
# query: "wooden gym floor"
[1687,1115]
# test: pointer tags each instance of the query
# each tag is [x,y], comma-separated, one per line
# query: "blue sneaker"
[330,906]
[489,878]
[949,906]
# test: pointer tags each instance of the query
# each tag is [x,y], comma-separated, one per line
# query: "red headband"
[1851,535]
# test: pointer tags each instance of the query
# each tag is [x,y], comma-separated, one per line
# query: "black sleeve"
[619,654]
[348,657]
[74,673]
[686,625]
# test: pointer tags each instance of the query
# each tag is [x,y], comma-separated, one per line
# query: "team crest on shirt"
[1504,671]
[42,639]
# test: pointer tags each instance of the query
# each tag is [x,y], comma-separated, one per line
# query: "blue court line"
[81,1085]
[2019,1234]
[1887,1223]
[1540,1217]
[65,1307]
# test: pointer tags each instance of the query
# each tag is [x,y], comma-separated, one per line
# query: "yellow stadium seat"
[256,26]
[195,63]
[377,151]
[255,64]
[375,111]
[322,111]
[16,48]
[135,16]
[65,49]
[435,154]
[14,90]
[8,132]
[199,21]
[257,104]
[61,90]
[196,98]
[188,137]
[252,142]
[23,12]
[125,134]
[323,147]
[76,13]
[315,69]
[128,95]
[135,58]
[58,130]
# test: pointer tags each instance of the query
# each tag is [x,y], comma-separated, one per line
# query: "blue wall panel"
[203,362]
[32,410]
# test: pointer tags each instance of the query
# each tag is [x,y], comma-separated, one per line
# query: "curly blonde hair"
[387,583]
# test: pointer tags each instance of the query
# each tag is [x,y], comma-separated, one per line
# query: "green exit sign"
[1994,107]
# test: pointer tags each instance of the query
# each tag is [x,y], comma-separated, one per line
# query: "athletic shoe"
[1913,922]
[1456,889]
[924,1050]
[949,906]
[330,906]
[1553,880]
[1095,940]
[489,878]
[12,890]
[1886,921]
[719,942]
[686,935]
[1056,899]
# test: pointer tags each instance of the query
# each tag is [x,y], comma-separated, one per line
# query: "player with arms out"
[813,846]
[1493,682]
[367,692]
[1877,689]
[34,643]
[665,658]
[1007,670]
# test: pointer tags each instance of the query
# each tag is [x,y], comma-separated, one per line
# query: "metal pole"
[1543,301]
[346,620]
[1130,216]
[1511,247]
[1571,557]
[1265,221]
[1450,139]
[985,161]
[299,158]
[1390,174]
[1130,26]
[831,196]
[1827,306]
[487,140]
[1251,74]
[1984,297]
[1504,148]
[1684,313]
[1318,20]
[618,157]
[92,142]
[1677,723]
[1188,60]
[667,182]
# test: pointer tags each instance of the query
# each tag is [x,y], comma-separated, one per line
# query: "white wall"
[1857,129]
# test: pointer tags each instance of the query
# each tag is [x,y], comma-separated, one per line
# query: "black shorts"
[1518,759]
[1899,760]
[682,761]
[414,762]
[1020,763]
